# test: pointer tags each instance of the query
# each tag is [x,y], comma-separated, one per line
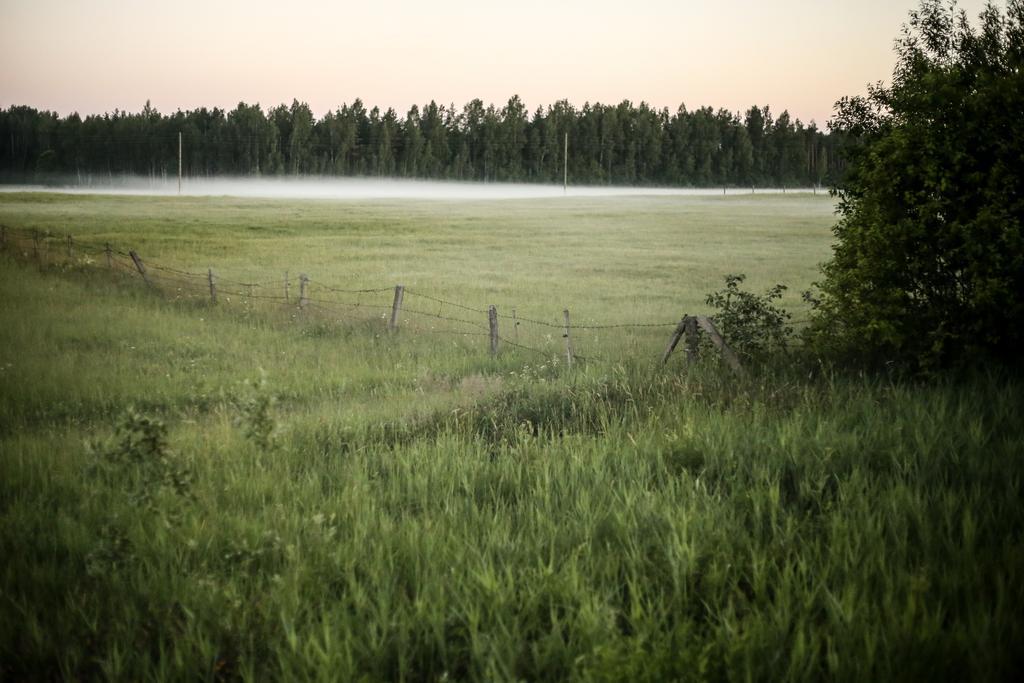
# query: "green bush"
[255,419]
[752,324]
[139,455]
[928,267]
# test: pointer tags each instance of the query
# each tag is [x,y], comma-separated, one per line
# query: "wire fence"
[391,308]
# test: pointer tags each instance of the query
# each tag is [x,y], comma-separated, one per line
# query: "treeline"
[615,144]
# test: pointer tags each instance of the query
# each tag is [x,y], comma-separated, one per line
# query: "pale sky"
[94,56]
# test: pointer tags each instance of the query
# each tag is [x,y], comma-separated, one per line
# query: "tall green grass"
[332,502]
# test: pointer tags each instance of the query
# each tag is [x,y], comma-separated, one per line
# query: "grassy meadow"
[621,259]
[246,491]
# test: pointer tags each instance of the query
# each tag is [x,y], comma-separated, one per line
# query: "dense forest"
[620,144]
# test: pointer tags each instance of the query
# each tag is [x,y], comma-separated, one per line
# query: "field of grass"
[237,490]
[621,258]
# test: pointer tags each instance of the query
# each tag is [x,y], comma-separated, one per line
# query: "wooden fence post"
[286,284]
[492,322]
[692,341]
[515,326]
[69,247]
[673,341]
[35,244]
[730,357]
[395,308]
[110,257]
[568,339]
[303,283]
[213,286]
[141,268]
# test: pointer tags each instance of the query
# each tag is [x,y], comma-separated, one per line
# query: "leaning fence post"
[568,339]
[673,341]
[286,283]
[141,268]
[213,286]
[303,283]
[492,323]
[730,357]
[110,257]
[395,308]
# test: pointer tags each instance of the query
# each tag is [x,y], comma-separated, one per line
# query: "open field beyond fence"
[240,489]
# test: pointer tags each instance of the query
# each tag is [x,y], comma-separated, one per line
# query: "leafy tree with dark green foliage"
[928,268]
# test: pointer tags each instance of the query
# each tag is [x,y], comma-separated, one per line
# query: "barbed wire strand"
[341,290]
[343,315]
[446,302]
[349,304]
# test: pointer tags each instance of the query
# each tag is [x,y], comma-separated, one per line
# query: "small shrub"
[752,324]
[255,417]
[139,452]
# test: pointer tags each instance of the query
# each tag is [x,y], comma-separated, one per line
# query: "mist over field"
[314,187]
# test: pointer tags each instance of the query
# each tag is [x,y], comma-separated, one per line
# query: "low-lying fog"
[360,188]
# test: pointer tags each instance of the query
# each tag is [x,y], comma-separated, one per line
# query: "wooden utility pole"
[565,167]
[179,162]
